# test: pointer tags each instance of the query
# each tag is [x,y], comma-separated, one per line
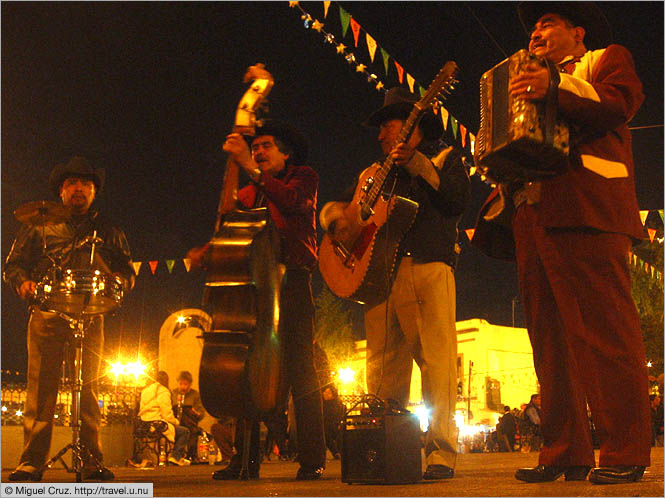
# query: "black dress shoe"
[309,474]
[100,474]
[547,473]
[232,473]
[436,472]
[617,474]
[24,475]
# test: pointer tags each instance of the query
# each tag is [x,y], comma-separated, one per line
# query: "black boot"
[547,473]
[617,474]
[233,471]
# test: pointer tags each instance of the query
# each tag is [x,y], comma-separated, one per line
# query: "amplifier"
[381,448]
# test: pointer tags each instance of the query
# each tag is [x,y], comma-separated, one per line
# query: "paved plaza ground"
[477,474]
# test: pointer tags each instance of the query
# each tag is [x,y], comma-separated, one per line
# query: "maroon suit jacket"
[598,95]
[291,201]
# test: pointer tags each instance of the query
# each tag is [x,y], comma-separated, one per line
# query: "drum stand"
[79,451]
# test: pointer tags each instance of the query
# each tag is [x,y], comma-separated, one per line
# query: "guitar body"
[360,268]
[242,369]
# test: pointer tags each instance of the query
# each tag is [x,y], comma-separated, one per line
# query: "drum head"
[80,292]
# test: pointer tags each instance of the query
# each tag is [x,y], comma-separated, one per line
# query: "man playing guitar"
[416,320]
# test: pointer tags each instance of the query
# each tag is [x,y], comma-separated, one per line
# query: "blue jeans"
[181,438]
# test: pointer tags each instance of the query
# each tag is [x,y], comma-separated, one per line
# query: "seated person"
[156,405]
[188,407]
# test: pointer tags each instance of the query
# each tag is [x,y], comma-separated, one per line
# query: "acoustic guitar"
[359,264]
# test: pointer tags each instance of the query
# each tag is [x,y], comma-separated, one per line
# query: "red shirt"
[291,201]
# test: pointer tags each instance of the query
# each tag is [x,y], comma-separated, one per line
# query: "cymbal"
[42,213]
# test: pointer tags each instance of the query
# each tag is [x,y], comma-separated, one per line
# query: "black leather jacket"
[66,247]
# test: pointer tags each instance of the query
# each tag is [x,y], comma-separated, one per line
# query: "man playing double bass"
[279,180]
[33,252]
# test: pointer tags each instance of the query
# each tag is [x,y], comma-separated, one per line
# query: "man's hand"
[237,148]
[531,84]
[27,289]
[402,153]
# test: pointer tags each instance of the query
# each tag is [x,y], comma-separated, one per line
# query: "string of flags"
[632,257]
[638,263]
[187,263]
[169,263]
[458,130]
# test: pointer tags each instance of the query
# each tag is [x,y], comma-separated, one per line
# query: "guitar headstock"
[261,82]
[444,83]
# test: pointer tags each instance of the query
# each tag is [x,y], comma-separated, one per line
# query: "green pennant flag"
[660,212]
[453,123]
[169,264]
[385,56]
[421,90]
[345,17]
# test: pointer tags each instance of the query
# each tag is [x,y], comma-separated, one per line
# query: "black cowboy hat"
[287,134]
[397,104]
[585,14]
[79,167]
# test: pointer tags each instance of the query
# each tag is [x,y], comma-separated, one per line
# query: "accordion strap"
[551,103]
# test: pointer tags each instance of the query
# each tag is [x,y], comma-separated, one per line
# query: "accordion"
[519,140]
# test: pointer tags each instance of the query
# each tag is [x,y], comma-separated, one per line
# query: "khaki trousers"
[417,322]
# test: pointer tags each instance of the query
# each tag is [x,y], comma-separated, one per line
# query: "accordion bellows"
[517,140]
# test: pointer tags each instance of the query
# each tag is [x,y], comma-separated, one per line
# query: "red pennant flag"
[652,233]
[469,233]
[400,72]
[462,129]
[355,27]
[153,266]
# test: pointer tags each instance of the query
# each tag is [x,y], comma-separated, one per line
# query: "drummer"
[57,237]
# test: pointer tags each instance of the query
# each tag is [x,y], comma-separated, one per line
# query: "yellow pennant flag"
[326,5]
[169,264]
[444,117]
[188,263]
[410,80]
[137,265]
[371,46]
[643,215]
[472,139]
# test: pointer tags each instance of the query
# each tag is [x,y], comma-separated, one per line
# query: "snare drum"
[80,292]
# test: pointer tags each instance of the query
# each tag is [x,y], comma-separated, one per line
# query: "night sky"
[148,90]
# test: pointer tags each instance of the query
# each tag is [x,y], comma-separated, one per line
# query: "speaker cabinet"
[381,449]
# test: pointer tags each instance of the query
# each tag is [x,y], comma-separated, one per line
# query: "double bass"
[241,372]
